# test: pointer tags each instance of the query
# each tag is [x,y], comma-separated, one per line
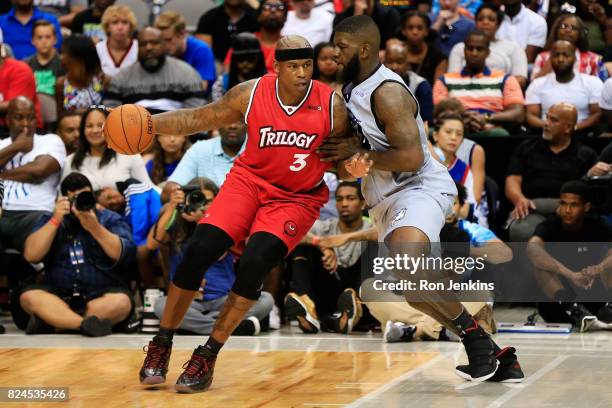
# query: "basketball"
[129,129]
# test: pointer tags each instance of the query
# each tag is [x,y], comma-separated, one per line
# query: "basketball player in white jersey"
[408,192]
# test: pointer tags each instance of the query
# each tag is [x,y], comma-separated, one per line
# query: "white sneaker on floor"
[398,332]
[275,321]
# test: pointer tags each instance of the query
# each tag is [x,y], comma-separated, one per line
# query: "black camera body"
[194,199]
[84,201]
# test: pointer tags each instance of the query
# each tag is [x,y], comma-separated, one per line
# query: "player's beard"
[351,70]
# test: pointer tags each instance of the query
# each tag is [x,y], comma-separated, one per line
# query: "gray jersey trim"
[373,105]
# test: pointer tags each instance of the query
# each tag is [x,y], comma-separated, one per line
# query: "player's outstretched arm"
[227,110]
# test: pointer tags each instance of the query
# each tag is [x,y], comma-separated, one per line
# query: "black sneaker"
[604,314]
[36,325]
[581,318]
[198,373]
[481,357]
[348,312]
[251,326]
[509,370]
[155,366]
[92,326]
[302,309]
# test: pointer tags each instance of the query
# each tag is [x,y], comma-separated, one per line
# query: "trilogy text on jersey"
[272,138]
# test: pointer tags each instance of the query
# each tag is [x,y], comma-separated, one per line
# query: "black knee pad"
[263,252]
[205,246]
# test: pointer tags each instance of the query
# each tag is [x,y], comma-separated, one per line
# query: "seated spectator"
[168,150]
[16,79]
[68,127]
[448,136]
[30,166]
[564,85]
[187,48]
[594,15]
[94,159]
[139,204]
[491,98]
[504,55]
[173,232]
[467,8]
[119,49]
[94,244]
[217,26]
[17,24]
[64,10]
[247,63]
[424,57]
[158,82]
[314,24]
[396,59]
[272,16]
[324,281]
[452,27]
[570,28]
[89,21]
[539,167]
[325,68]
[603,167]
[83,84]
[211,158]
[45,63]
[605,102]
[386,18]
[570,272]
[524,27]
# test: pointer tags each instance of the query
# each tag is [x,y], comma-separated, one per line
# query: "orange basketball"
[129,129]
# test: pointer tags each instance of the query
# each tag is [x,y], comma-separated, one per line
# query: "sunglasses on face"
[272,7]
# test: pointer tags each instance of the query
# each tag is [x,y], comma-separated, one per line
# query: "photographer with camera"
[84,251]
[171,233]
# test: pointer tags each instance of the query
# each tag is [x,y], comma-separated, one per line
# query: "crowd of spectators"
[89,229]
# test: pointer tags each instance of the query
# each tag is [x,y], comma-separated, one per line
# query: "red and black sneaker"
[481,356]
[156,362]
[509,370]
[198,373]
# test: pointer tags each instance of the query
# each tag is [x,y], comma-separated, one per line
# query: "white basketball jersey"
[380,184]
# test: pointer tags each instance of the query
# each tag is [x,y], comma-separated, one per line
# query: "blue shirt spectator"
[199,55]
[448,36]
[95,270]
[206,158]
[19,36]
[143,204]
[469,5]
[170,167]
[479,235]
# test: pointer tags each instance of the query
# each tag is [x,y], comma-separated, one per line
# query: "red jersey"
[282,141]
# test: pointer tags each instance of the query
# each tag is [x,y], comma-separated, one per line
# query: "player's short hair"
[352,184]
[43,23]
[578,187]
[461,193]
[118,10]
[171,19]
[355,24]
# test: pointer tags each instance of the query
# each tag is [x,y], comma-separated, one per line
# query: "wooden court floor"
[109,377]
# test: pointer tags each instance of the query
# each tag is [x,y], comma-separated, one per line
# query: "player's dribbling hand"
[359,165]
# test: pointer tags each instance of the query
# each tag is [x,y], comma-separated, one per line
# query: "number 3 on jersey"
[300,162]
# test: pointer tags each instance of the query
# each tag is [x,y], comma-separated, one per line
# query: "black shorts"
[79,304]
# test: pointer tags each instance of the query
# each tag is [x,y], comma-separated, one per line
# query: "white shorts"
[418,206]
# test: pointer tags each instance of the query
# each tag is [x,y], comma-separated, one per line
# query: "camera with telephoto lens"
[194,199]
[84,201]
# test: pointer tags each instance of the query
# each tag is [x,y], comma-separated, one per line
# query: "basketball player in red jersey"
[272,196]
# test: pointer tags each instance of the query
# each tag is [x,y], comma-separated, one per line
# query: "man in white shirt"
[30,167]
[523,26]
[564,85]
[605,102]
[314,25]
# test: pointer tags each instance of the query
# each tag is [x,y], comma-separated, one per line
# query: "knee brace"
[203,249]
[262,253]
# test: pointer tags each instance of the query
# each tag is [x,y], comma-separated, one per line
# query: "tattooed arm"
[227,110]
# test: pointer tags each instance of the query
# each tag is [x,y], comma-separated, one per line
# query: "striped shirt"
[487,92]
